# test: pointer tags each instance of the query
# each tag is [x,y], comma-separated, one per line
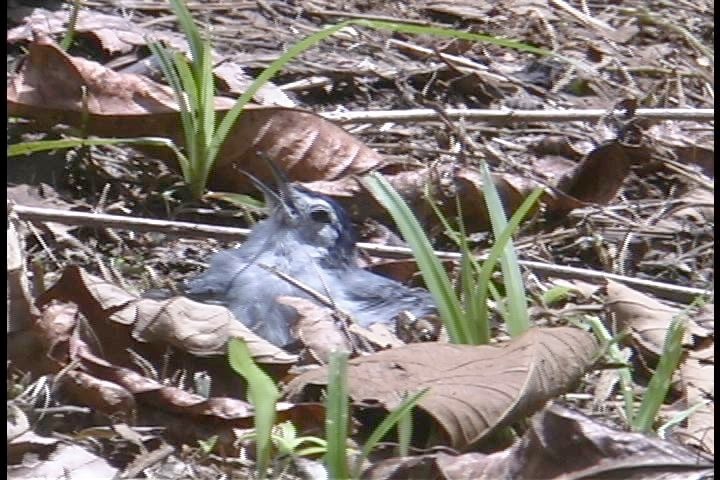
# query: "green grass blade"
[189,87]
[616,355]
[434,274]
[207,98]
[187,25]
[169,68]
[26,148]
[661,379]
[311,40]
[404,410]
[262,393]
[497,251]
[404,433]
[474,329]
[517,305]
[468,266]
[336,416]
[69,36]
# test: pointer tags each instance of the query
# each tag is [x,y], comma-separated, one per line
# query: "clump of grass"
[465,317]
[263,394]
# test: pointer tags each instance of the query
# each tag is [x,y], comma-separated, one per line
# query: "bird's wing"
[212,285]
[373,298]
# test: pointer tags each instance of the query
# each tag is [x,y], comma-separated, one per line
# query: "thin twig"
[186,229]
[514,116]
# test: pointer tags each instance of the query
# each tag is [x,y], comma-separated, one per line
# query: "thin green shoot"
[499,250]
[336,416]
[263,394]
[661,379]
[436,279]
[402,413]
[664,430]
[208,445]
[26,148]
[288,443]
[621,357]
[69,36]
[517,318]
[555,294]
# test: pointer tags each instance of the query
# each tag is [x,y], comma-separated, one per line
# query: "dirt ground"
[631,195]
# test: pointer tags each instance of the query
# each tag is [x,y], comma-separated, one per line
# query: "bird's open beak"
[280,198]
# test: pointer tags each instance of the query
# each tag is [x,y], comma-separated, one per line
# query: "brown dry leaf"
[306,146]
[119,319]
[28,442]
[697,374]
[66,461]
[115,33]
[102,380]
[597,452]
[319,332]
[473,389]
[232,78]
[49,88]
[194,327]
[316,329]
[101,395]
[701,155]
[598,177]
[20,308]
[645,318]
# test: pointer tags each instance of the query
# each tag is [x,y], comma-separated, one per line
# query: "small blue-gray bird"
[308,237]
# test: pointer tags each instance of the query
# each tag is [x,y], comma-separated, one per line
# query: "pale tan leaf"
[473,390]
[644,317]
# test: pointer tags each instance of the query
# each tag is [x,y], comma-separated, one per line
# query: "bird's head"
[311,218]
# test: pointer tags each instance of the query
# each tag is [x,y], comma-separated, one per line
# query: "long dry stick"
[187,229]
[514,116]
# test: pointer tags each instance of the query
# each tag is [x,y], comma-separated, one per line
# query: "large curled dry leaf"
[560,443]
[118,34]
[191,327]
[118,344]
[473,389]
[66,460]
[49,88]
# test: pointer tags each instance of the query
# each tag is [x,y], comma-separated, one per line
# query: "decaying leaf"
[316,328]
[70,461]
[473,390]
[644,317]
[55,87]
[118,34]
[697,375]
[561,443]
[192,327]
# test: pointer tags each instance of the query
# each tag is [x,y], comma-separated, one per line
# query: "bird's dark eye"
[320,215]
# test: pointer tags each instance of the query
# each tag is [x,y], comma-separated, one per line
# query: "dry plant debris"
[626,195]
